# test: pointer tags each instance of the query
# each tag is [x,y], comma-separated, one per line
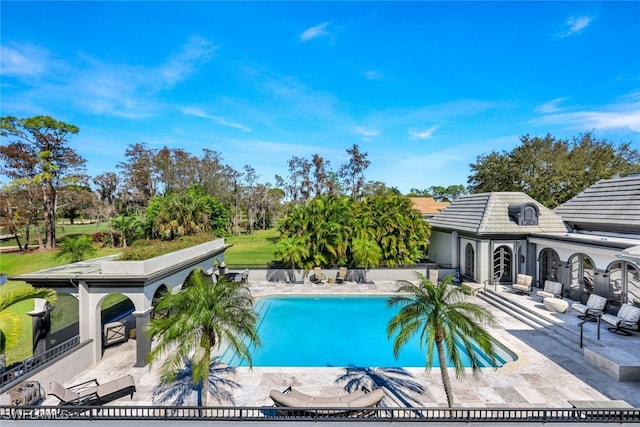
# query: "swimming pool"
[331,331]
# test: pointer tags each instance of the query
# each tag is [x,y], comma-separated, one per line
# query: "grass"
[251,249]
[13,264]
[62,230]
[247,249]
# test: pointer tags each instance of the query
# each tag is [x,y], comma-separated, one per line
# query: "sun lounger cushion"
[551,290]
[357,399]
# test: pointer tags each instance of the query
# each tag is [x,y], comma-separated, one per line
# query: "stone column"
[143,342]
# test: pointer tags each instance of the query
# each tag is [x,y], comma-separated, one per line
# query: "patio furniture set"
[626,320]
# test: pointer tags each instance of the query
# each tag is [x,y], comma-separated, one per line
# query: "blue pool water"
[330,331]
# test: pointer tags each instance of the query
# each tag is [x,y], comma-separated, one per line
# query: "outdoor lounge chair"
[523,284]
[355,402]
[342,275]
[627,319]
[318,277]
[595,307]
[92,393]
[551,290]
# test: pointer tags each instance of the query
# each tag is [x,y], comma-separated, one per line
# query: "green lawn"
[251,249]
[62,230]
[247,249]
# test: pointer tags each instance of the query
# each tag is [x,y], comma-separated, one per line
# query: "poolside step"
[514,309]
[537,319]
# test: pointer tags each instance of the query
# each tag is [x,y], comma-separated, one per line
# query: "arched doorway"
[503,264]
[582,269]
[469,262]
[116,307]
[624,282]
[162,289]
[548,267]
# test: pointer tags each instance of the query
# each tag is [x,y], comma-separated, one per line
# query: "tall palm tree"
[11,323]
[293,250]
[201,315]
[366,252]
[445,320]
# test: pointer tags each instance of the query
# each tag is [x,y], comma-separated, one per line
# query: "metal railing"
[15,372]
[270,413]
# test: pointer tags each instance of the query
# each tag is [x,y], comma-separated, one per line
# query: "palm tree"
[11,323]
[76,248]
[292,250]
[366,252]
[200,316]
[445,320]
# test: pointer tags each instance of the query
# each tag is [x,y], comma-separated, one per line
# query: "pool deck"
[550,370]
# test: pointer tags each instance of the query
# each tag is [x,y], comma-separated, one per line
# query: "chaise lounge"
[92,393]
[318,277]
[356,402]
[342,275]
[627,319]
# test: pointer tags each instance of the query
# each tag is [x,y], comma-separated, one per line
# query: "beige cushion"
[551,290]
[595,304]
[555,304]
[628,316]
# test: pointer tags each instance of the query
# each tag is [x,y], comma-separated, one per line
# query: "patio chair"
[355,402]
[342,275]
[92,393]
[627,319]
[551,290]
[318,277]
[523,284]
[592,309]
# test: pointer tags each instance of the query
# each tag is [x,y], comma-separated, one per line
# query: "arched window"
[469,261]
[502,264]
[624,282]
[582,277]
[549,263]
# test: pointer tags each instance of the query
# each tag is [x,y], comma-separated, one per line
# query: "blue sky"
[422,87]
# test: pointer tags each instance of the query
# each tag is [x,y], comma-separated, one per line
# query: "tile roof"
[610,205]
[488,213]
[428,205]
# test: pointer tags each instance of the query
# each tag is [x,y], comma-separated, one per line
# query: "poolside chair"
[523,284]
[318,277]
[592,309]
[342,275]
[551,290]
[627,319]
[356,402]
[92,393]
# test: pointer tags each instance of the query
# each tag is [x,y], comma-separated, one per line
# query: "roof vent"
[524,213]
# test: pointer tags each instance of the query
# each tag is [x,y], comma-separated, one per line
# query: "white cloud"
[422,134]
[621,115]
[181,65]
[574,25]
[315,32]
[22,60]
[367,134]
[192,111]
[550,106]
[373,75]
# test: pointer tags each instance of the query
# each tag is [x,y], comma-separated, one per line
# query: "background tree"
[366,252]
[202,315]
[77,201]
[106,185]
[550,170]
[139,182]
[353,172]
[445,321]
[41,155]
[292,250]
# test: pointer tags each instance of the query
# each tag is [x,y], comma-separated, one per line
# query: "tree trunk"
[49,216]
[444,372]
